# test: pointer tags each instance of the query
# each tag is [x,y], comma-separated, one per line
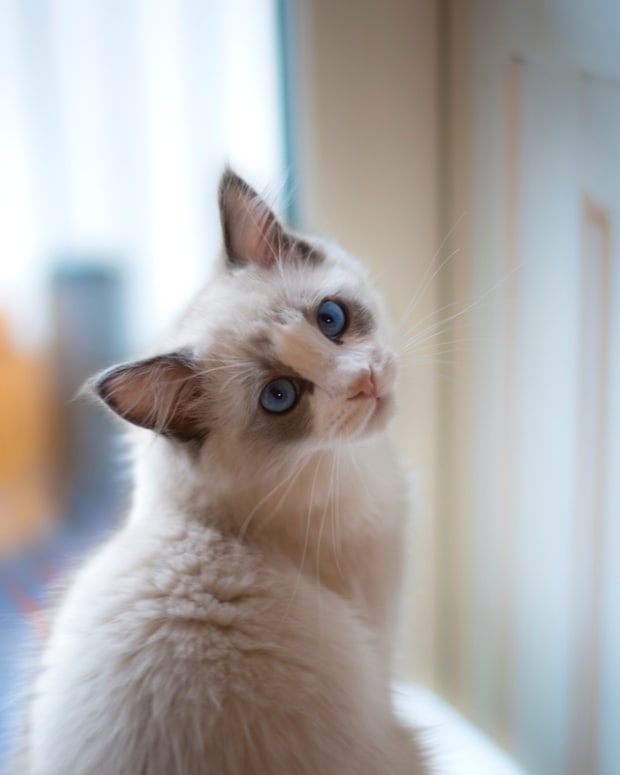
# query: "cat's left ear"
[252,233]
[163,394]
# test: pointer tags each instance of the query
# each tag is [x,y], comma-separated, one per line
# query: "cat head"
[284,350]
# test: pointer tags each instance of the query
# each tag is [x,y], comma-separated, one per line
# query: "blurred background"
[468,151]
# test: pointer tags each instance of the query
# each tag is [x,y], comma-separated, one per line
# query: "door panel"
[537,438]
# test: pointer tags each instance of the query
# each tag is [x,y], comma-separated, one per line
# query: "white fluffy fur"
[243,620]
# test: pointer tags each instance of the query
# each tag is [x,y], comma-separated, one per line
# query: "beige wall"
[366,133]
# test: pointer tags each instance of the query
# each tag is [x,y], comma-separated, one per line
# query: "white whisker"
[439,327]
[426,281]
[262,501]
[309,514]
[336,517]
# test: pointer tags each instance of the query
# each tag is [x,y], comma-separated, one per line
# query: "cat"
[242,622]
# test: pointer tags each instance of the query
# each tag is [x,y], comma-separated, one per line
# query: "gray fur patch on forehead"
[308,253]
[294,250]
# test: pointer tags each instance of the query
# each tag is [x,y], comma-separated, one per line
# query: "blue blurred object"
[88,324]
[87,334]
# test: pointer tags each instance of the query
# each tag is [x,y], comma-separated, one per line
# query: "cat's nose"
[364,385]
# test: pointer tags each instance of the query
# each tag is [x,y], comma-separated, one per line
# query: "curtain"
[116,119]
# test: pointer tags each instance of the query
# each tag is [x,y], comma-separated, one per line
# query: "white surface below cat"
[458,748]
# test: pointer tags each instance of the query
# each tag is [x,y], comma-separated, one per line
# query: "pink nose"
[364,385]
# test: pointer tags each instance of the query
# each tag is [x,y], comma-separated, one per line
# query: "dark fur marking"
[360,320]
[288,426]
[308,253]
[291,426]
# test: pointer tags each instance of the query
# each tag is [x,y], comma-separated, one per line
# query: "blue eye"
[331,318]
[279,396]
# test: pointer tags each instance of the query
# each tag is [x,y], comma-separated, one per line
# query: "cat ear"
[161,394]
[252,233]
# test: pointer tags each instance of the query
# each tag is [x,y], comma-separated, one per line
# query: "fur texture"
[242,622]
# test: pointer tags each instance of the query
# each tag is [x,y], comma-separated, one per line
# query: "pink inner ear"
[258,237]
[252,232]
[160,393]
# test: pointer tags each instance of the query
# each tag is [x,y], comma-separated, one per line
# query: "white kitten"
[242,622]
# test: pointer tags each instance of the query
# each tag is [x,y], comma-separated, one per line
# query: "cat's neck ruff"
[355,477]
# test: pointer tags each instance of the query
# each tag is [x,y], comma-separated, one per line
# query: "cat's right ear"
[162,394]
[252,232]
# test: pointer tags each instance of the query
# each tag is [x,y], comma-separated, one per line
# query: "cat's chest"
[351,544]
[340,524]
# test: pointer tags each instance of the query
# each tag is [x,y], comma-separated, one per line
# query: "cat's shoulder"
[166,561]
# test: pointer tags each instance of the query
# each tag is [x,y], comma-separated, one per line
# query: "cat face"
[284,350]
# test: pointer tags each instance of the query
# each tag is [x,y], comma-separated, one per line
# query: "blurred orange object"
[26,446]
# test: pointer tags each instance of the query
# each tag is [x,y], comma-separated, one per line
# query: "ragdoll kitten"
[242,621]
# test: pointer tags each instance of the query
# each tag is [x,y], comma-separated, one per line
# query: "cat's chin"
[383,412]
[379,413]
